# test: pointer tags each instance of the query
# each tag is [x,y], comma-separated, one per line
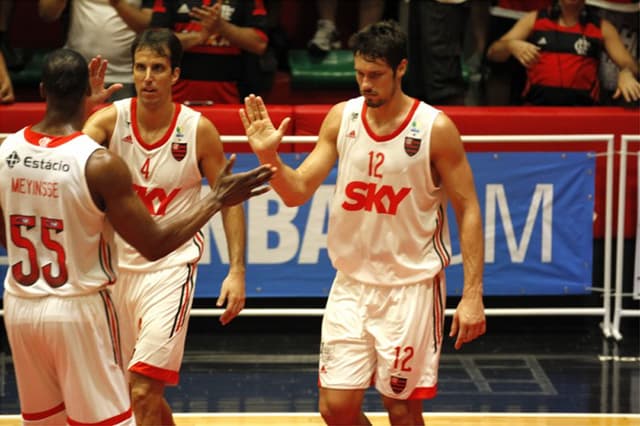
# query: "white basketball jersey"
[388,221]
[58,241]
[165,176]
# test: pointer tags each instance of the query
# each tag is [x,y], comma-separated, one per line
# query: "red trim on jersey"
[437,308]
[259,8]
[105,260]
[167,376]
[106,422]
[167,134]
[186,297]
[48,141]
[384,138]
[114,330]
[440,246]
[43,414]
[198,239]
[424,393]
[158,6]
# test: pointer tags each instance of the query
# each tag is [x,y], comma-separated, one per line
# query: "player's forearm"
[472,247]
[233,219]
[172,234]
[287,182]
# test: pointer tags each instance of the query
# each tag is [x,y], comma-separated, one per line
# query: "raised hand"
[232,189]
[262,134]
[97,70]
[210,18]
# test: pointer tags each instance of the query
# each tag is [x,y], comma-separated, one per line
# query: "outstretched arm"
[212,160]
[295,187]
[109,180]
[454,175]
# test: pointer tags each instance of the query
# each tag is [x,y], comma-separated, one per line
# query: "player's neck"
[386,115]
[154,116]
[59,123]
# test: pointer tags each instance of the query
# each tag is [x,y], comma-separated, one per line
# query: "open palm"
[262,134]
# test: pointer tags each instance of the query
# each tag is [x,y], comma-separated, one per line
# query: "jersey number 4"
[47,226]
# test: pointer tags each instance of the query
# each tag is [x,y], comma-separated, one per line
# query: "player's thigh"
[408,341]
[93,383]
[34,365]
[347,357]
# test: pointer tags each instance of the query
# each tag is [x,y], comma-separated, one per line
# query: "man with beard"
[401,160]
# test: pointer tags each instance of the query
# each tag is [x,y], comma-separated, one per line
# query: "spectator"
[6,88]
[222,45]
[437,31]
[560,48]
[623,14]
[505,81]
[105,28]
[326,36]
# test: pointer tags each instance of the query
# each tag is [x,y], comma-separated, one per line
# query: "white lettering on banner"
[261,223]
[542,196]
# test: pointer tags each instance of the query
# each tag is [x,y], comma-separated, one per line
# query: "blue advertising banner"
[537,210]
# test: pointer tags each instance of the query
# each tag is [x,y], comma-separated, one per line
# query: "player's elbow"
[153,252]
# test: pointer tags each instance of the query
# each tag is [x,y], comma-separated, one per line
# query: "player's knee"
[403,412]
[146,396]
[338,411]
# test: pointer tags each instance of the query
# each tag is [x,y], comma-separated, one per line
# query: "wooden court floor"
[380,419]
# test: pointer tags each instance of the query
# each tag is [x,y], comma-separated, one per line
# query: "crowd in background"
[461,52]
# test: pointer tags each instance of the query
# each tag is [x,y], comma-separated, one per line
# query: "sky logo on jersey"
[13,159]
[178,150]
[411,146]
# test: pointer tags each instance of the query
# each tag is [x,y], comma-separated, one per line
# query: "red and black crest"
[178,150]
[411,146]
[398,383]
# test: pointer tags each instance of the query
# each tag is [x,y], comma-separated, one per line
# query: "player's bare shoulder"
[207,137]
[331,124]
[445,137]
[106,173]
[101,124]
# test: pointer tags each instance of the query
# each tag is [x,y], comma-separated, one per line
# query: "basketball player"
[401,160]
[169,148]
[61,197]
